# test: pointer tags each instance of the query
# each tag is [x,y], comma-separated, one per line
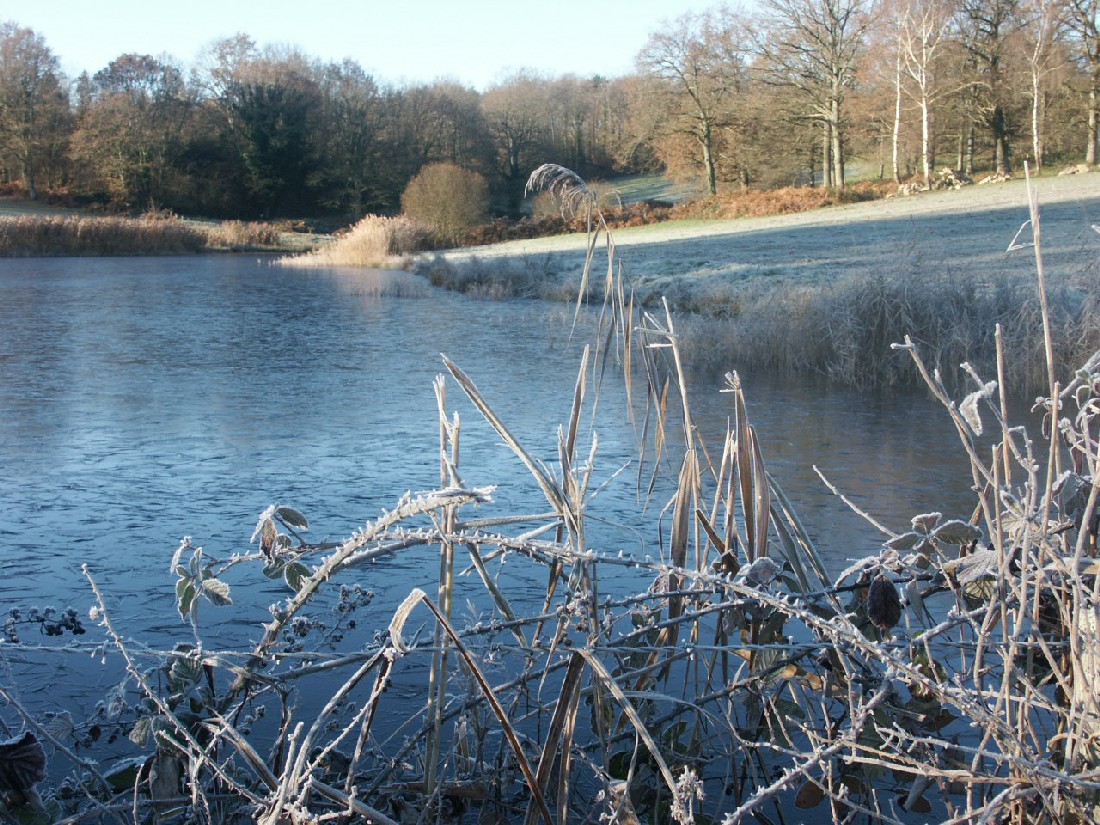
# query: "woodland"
[795,92]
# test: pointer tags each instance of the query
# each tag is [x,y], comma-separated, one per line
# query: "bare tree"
[515,112]
[814,45]
[699,67]
[922,39]
[1044,22]
[352,136]
[130,126]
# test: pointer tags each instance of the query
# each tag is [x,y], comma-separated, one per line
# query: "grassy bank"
[840,330]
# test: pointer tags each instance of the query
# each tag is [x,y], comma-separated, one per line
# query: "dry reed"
[69,236]
[375,241]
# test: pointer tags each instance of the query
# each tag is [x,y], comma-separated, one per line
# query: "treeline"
[786,95]
[267,132]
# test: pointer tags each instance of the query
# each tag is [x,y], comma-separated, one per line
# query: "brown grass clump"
[28,236]
[375,242]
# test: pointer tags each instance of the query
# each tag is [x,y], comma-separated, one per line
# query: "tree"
[698,68]
[814,46]
[269,101]
[351,128]
[1083,19]
[33,104]
[131,119]
[1044,22]
[985,26]
[448,198]
[515,113]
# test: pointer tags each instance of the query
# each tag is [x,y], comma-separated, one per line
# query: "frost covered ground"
[966,230]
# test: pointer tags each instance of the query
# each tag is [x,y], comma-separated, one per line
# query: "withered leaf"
[810,796]
[883,603]
[22,763]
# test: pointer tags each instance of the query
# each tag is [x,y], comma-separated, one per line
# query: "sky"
[476,42]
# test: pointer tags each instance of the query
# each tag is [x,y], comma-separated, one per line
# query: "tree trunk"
[1036,121]
[925,143]
[1000,141]
[708,160]
[968,160]
[897,116]
[838,145]
[826,155]
[1094,124]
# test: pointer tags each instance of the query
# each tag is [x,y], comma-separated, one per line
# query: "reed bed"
[842,332]
[236,236]
[376,242]
[949,678]
[27,236]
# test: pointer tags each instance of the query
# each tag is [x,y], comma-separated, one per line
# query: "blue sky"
[473,41]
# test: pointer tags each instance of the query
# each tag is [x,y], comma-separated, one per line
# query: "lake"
[144,399]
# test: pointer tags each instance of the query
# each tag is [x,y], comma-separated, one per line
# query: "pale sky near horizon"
[475,42]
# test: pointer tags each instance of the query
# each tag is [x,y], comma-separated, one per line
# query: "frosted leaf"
[761,572]
[956,532]
[883,603]
[292,517]
[906,541]
[217,592]
[265,516]
[59,725]
[925,522]
[975,567]
[22,763]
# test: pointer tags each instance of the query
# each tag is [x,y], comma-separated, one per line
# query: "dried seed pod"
[883,603]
